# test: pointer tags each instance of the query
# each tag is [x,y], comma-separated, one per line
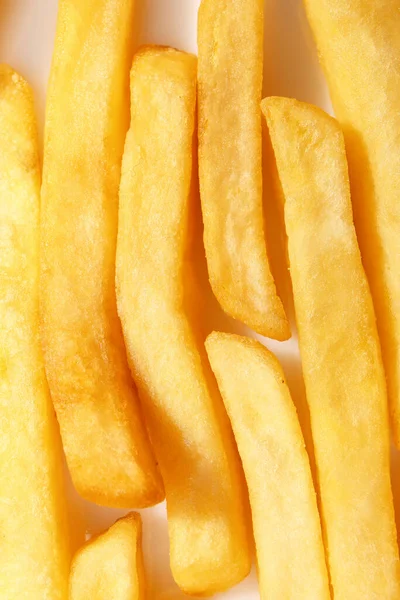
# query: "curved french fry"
[287,528]
[110,567]
[230,40]
[34,540]
[104,437]
[340,352]
[207,525]
[359,47]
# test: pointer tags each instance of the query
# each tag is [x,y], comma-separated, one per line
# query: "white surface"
[291,68]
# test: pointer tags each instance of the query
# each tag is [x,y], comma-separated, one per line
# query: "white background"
[291,68]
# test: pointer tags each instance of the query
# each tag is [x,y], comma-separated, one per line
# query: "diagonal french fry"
[286,523]
[230,40]
[340,352]
[205,494]
[104,437]
[359,48]
[110,567]
[34,539]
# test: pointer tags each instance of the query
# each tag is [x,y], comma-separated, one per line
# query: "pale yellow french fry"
[104,437]
[34,540]
[359,48]
[110,567]
[206,518]
[340,352]
[230,40]
[286,523]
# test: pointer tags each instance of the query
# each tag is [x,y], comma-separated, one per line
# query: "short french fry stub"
[110,567]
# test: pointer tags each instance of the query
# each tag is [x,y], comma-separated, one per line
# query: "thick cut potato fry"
[110,567]
[230,39]
[359,47]
[206,516]
[340,352]
[34,546]
[287,528]
[104,438]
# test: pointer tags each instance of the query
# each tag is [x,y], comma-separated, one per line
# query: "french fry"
[340,352]
[230,40]
[110,567]
[34,540]
[205,495]
[359,48]
[287,528]
[104,437]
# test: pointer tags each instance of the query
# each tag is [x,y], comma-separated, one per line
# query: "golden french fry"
[359,47]
[287,528]
[104,437]
[207,525]
[340,352]
[230,40]
[110,567]
[34,540]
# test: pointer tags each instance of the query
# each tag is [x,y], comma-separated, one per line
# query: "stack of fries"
[96,273]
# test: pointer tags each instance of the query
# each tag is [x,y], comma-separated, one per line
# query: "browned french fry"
[287,528]
[104,437]
[340,352]
[205,495]
[230,40]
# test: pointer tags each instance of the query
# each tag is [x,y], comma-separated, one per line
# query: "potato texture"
[286,523]
[340,352]
[359,48]
[34,540]
[230,40]
[105,440]
[190,433]
[110,567]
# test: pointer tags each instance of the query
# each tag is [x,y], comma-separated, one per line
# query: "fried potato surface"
[110,567]
[359,47]
[286,523]
[190,433]
[340,352]
[230,40]
[34,540]
[104,437]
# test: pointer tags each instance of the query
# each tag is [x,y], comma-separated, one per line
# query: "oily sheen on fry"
[340,352]
[104,437]
[34,543]
[286,524]
[110,567]
[201,472]
[230,40]
[359,48]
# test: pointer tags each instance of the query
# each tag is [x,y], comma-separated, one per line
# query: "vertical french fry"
[340,352]
[104,438]
[207,525]
[286,523]
[359,47]
[34,540]
[110,567]
[230,40]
